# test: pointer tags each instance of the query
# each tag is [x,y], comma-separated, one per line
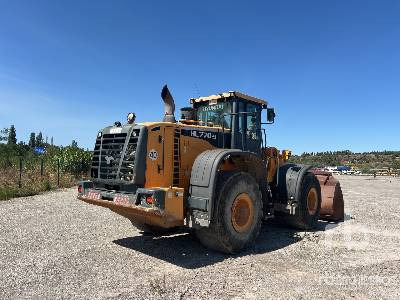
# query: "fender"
[204,178]
[288,186]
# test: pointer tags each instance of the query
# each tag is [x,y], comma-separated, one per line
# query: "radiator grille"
[128,161]
[112,159]
[110,154]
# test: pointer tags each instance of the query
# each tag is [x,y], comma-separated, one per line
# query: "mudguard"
[288,186]
[204,174]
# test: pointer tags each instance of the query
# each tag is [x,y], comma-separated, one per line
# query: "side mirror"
[270,115]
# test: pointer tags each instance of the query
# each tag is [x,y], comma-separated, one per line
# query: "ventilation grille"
[177,138]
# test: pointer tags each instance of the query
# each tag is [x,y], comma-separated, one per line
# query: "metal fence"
[17,170]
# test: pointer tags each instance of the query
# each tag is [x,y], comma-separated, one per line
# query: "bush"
[73,160]
[46,185]
[74,164]
[12,192]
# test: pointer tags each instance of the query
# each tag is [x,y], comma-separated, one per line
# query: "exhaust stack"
[169,105]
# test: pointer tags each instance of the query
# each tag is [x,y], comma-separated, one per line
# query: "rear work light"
[149,200]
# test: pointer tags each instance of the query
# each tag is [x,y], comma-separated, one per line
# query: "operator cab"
[236,113]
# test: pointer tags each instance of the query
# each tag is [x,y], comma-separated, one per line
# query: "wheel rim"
[312,201]
[242,212]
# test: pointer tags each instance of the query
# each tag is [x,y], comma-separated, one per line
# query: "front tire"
[237,214]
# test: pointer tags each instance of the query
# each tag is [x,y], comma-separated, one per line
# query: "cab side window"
[252,121]
[249,135]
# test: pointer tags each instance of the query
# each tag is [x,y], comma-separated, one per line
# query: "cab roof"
[227,95]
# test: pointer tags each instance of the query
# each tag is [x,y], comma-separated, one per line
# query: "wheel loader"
[210,171]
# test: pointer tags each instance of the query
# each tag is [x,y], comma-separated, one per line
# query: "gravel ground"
[53,246]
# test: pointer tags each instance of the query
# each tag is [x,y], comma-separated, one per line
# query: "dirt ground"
[53,246]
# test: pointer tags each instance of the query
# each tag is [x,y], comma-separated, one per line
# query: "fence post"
[41,167]
[58,172]
[20,173]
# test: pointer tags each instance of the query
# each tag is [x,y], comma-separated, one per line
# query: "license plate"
[121,199]
[94,195]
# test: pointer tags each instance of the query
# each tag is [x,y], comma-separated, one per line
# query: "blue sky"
[331,69]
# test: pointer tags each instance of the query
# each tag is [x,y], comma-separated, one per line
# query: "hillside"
[363,161]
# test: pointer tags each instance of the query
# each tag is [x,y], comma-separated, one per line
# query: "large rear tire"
[237,214]
[308,205]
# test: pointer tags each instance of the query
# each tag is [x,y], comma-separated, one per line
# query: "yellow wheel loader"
[210,171]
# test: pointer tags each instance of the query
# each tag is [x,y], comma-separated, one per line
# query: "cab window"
[218,114]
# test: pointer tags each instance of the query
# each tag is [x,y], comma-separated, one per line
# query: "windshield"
[218,114]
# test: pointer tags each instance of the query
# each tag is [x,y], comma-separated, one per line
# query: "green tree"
[74,144]
[12,136]
[4,135]
[32,140]
[39,140]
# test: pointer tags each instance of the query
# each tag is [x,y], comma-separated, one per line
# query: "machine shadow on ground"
[183,249]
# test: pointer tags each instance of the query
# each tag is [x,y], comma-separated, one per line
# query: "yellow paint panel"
[174,203]
[158,159]
[272,155]
[190,148]
[160,171]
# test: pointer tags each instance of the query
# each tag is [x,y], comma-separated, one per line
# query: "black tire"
[306,217]
[221,235]
[150,229]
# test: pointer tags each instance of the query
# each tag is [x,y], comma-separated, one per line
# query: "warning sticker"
[153,154]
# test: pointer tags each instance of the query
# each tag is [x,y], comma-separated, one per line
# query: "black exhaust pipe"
[169,105]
